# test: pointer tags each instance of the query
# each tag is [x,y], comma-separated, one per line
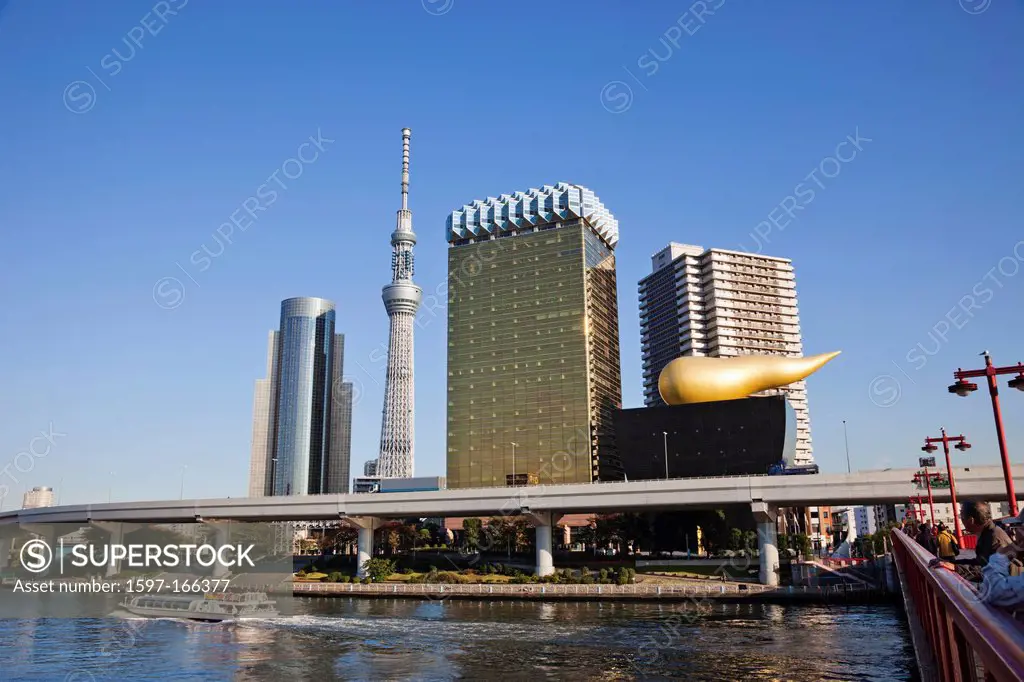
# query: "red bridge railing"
[968,640]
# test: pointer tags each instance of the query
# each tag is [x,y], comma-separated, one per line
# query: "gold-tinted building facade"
[533,357]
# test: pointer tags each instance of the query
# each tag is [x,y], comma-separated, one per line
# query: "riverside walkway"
[956,637]
[688,592]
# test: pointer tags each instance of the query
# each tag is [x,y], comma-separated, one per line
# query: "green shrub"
[407,571]
[334,577]
[452,578]
[521,579]
[602,576]
[378,570]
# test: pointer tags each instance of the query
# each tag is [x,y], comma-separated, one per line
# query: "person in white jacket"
[998,587]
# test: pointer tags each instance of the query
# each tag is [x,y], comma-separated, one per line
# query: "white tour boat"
[210,608]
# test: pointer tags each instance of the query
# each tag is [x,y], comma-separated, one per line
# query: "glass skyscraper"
[302,411]
[533,340]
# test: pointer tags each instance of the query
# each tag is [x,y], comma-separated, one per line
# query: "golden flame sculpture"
[701,380]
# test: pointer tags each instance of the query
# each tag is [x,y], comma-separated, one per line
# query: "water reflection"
[447,640]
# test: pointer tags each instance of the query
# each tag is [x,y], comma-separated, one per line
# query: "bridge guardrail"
[968,640]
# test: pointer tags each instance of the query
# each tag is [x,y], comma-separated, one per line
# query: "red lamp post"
[962,387]
[918,508]
[928,481]
[961,445]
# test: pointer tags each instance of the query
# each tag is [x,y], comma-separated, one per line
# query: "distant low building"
[865,520]
[40,496]
[366,484]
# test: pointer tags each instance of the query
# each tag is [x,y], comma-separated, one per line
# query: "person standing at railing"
[926,538]
[948,547]
[977,519]
[1000,586]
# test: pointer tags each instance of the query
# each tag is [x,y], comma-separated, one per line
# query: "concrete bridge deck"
[863,487]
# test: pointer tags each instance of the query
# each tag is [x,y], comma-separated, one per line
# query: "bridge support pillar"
[543,522]
[221,537]
[364,547]
[767,542]
[117,531]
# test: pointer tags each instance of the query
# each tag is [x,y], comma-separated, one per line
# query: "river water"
[352,639]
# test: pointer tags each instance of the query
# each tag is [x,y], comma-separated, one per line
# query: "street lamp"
[962,445]
[665,435]
[514,464]
[181,493]
[962,387]
[847,439]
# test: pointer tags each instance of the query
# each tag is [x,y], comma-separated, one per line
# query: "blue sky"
[117,167]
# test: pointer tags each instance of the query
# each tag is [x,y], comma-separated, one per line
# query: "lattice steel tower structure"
[401,299]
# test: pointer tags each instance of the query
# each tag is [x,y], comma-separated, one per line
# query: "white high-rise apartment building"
[39,496]
[721,303]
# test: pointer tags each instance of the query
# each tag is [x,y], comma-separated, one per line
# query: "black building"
[724,438]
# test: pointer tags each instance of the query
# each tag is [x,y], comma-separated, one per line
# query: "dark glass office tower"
[533,340]
[302,411]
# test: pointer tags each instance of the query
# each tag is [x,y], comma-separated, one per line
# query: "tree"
[408,534]
[803,544]
[508,531]
[735,539]
[378,570]
[337,537]
[471,532]
[435,532]
[608,530]
[587,535]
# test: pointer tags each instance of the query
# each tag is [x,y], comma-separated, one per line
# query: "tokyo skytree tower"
[401,299]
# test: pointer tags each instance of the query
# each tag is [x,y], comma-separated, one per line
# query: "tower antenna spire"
[406,134]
